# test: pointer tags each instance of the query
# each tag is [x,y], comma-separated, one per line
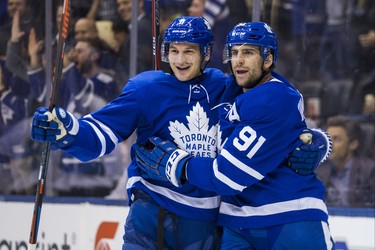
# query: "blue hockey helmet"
[253,33]
[188,29]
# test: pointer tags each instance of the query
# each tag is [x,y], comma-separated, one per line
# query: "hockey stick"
[155,14]
[47,145]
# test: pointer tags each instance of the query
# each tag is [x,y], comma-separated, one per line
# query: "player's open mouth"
[183,68]
[241,72]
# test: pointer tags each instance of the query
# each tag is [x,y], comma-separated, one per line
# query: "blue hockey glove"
[162,160]
[315,150]
[58,127]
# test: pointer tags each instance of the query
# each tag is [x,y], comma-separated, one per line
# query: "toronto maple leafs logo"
[198,138]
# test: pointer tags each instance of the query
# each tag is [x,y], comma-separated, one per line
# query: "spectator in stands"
[337,41]
[29,15]
[300,26]
[120,31]
[86,57]
[5,173]
[18,176]
[102,10]
[364,74]
[12,6]
[124,9]
[348,176]
[144,39]
[12,110]
[16,48]
[196,8]
[85,28]
[233,10]
[23,155]
[35,66]
[222,15]
[17,59]
[80,9]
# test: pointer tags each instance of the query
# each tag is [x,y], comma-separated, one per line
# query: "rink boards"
[68,223]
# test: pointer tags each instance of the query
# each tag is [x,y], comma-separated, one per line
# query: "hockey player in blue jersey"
[180,107]
[265,205]
[177,106]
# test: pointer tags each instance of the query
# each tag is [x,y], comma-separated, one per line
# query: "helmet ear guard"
[164,52]
[206,52]
[266,53]
[226,53]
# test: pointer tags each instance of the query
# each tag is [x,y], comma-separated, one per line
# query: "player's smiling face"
[184,60]
[246,64]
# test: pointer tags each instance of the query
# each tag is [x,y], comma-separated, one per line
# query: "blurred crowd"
[327,48]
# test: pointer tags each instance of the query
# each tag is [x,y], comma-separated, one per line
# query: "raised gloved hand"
[58,127]
[315,150]
[162,160]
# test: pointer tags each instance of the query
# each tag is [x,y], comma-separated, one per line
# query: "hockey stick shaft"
[155,13]
[47,146]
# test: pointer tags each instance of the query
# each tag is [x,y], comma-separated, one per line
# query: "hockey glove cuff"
[316,147]
[162,160]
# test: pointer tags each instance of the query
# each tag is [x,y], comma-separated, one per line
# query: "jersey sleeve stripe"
[274,208]
[106,129]
[100,136]
[74,160]
[224,179]
[240,165]
[197,202]
[75,127]
[327,235]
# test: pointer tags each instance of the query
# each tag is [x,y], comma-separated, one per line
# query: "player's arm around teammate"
[265,204]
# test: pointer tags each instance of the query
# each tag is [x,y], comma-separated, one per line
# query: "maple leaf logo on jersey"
[197,138]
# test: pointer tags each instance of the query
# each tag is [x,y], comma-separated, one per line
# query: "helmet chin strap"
[204,64]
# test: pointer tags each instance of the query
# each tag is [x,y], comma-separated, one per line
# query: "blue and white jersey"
[13,121]
[12,113]
[86,96]
[102,84]
[157,104]
[251,172]
[72,86]
[38,87]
